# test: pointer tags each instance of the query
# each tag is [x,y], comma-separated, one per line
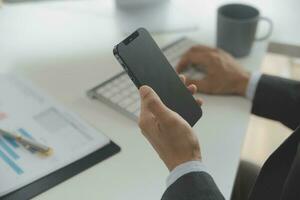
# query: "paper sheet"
[24,109]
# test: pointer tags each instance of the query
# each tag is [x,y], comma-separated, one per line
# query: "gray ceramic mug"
[236,28]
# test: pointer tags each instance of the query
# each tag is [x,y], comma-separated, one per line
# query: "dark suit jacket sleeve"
[193,186]
[279,177]
[278,99]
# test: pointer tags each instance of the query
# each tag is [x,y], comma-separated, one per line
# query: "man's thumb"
[150,101]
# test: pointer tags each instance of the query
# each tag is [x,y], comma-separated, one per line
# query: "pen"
[27,142]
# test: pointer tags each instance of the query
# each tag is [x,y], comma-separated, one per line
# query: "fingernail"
[143,91]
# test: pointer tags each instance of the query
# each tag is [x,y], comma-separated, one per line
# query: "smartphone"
[145,64]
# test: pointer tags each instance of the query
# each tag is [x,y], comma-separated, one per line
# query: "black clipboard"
[53,179]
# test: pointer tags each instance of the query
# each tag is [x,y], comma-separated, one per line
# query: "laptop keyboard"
[120,93]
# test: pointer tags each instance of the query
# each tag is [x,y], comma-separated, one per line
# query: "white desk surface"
[66,53]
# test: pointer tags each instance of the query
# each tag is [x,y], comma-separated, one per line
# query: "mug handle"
[269,21]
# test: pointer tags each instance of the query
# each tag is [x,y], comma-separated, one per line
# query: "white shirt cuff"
[185,168]
[251,88]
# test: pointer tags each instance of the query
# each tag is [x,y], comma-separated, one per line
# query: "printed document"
[25,110]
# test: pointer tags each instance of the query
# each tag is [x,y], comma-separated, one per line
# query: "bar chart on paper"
[9,156]
[9,150]
[25,111]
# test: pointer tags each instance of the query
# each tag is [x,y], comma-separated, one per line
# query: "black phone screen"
[146,65]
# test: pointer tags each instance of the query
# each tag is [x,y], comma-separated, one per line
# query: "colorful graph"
[11,163]
[11,141]
[8,154]
[8,150]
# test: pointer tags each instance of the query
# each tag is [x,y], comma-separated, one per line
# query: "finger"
[196,58]
[146,123]
[182,78]
[146,118]
[202,84]
[182,64]
[202,48]
[151,103]
[192,88]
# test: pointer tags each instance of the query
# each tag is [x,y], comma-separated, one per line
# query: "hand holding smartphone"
[145,64]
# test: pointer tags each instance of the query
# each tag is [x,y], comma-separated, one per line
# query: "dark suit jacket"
[277,99]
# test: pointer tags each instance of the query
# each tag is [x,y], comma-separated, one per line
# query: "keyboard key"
[116,98]
[114,89]
[126,102]
[133,107]
[107,94]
